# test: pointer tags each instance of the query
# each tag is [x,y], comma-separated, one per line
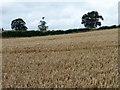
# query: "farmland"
[78,60]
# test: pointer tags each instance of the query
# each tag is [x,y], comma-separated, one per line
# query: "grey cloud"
[59,15]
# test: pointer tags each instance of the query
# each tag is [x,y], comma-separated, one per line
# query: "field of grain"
[79,60]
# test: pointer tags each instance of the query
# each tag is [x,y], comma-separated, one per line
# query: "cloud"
[63,14]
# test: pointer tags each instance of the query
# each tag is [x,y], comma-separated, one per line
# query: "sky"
[59,14]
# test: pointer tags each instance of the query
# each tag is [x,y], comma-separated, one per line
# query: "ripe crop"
[61,61]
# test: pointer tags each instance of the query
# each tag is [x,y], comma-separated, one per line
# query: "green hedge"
[108,27]
[8,34]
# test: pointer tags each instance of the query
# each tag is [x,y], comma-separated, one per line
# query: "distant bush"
[118,26]
[8,34]
[21,33]
[107,27]
[113,26]
[77,30]
[104,27]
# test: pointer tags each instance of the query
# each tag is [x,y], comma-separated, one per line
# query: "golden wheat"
[62,61]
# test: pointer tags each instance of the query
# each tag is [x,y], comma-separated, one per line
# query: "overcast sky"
[59,14]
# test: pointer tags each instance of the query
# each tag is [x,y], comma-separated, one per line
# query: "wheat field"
[78,60]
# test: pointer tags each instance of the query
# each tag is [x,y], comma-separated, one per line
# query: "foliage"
[42,27]
[8,34]
[18,24]
[108,27]
[119,26]
[91,19]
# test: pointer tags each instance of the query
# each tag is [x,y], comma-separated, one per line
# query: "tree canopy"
[18,24]
[42,26]
[91,19]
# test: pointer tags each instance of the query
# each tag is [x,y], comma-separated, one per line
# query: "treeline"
[8,34]
[109,27]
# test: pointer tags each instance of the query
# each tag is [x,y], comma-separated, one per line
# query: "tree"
[2,29]
[18,24]
[42,26]
[91,19]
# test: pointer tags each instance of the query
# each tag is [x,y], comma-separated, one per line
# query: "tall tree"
[91,19]
[42,26]
[18,24]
